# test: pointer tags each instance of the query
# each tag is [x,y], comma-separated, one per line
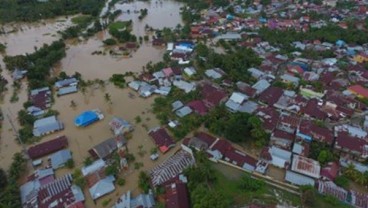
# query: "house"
[99,184]
[269,116]
[215,73]
[330,188]
[306,166]
[278,157]
[107,147]
[330,171]
[235,101]
[184,111]
[289,123]
[120,126]
[212,96]
[200,141]
[45,191]
[176,105]
[48,147]
[361,58]
[176,195]
[298,179]
[95,166]
[359,91]
[271,95]
[146,90]
[351,145]
[66,83]
[67,90]
[282,139]
[256,73]
[171,168]
[301,148]
[46,125]
[135,85]
[185,86]
[198,107]
[158,42]
[240,159]
[18,74]
[287,78]
[142,200]
[309,131]
[41,97]
[35,111]
[60,158]
[261,86]
[87,118]
[162,90]
[162,139]
[190,71]
[314,109]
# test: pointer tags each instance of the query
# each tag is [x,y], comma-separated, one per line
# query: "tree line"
[33,10]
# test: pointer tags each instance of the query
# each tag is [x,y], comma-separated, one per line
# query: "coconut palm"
[350,170]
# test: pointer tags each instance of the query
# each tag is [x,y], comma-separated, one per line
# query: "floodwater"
[31,35]
[79,57]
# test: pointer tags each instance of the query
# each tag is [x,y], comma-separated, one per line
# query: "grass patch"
[118,25]
[82,20]
[267,195]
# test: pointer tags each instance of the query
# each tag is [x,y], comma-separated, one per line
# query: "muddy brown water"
[79,59]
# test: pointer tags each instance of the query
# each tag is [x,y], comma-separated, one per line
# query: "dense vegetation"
[38,63]
[32,10]
[9,190]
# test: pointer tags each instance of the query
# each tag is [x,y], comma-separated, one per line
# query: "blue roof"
[86,118]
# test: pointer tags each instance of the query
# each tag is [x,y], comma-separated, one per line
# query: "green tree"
[144,181]
[342,181]
[325,156]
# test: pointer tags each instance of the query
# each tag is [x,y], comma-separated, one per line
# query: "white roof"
[298,179]
[238,97]
[306,166]
[190,71]
[96,165]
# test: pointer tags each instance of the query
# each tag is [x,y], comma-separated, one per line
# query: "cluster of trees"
[81,23]
[235,63]
[9,190]
[322,152]
[38,63]
[237,127]
[121,32]
[143,12]
[201,181]
[144,181]
[32,10]
[356,176]
[330,33]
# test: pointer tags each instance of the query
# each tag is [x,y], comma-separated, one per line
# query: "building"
[306,166]
[162,139]
[60,158]
[46,125]
[67,90]
[171,168]
[88,117]
[351,145]
[142,200]
[298,179]
[120,126]
[107,147]
[41,97]
[48,147]
[99,184]
[66,83]
[359,91]
[176,195]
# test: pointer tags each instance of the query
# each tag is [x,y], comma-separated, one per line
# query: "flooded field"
[79,56]
[31,35]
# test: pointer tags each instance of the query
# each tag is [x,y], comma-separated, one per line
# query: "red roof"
[222,146]
[312,109]
[271,95]
[176,196]
[316,132]
[208,139]
[198,107]
[77,205]
[240,158]
[48,147]
[330,171]
[212,96]
[358,89]
[40,100]
[162,139]
[283,135]
[345,141]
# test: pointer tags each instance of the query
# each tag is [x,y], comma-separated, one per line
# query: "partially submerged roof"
[58,159]
[46,125]
[86,118]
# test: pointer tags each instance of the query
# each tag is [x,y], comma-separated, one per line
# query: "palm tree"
[350,170]
[361,178]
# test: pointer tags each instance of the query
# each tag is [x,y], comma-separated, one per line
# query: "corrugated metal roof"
[298,179]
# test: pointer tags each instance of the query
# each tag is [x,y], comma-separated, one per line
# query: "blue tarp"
[86,118]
